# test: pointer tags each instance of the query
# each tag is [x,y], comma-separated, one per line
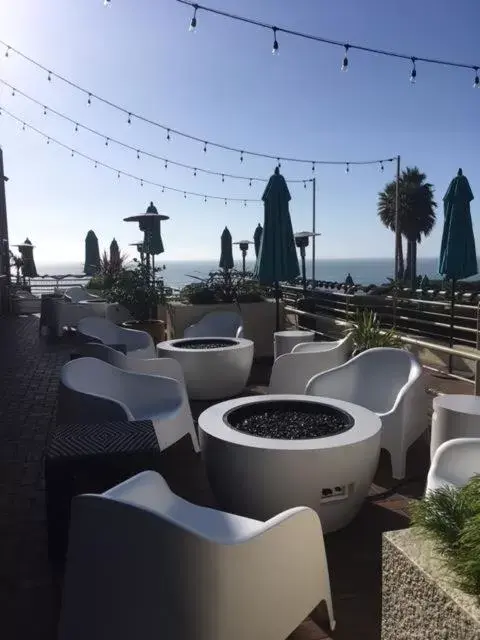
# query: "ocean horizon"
[364,271]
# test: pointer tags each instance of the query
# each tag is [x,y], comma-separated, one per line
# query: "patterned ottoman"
[91,459]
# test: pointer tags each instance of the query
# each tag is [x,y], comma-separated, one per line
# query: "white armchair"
[94,391]
[218,324]
[63,313]
[291,371]
[144,563]
[137,343]
[454,463]
[78,293]
[389,383]
[117,313]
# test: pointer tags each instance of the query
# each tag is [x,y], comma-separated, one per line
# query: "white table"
[284,341]
[454,416]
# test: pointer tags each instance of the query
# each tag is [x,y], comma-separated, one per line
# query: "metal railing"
[49,283]
[431,346]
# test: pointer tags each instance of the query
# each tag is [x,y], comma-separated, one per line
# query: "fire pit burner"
[205,343]
[289,420]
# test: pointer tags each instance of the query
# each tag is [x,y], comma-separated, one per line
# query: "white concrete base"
[261,477]
[258,318]
[211,374]
[454,416]
[284,341]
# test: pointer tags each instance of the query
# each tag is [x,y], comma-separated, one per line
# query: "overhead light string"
[169,131]
[119,172]
[139,151]
[330,41]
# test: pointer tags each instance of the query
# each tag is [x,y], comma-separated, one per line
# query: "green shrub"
[367,333]
[450,517]
[226,286]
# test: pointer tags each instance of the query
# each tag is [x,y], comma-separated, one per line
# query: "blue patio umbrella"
[277,259]
[458,257]
[226,256]
[257,238]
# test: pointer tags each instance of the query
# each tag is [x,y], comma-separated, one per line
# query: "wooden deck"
[30,594]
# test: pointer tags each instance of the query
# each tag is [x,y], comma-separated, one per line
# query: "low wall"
[419,599]
[259,320]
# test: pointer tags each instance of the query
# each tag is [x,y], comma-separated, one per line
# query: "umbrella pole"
[304,274]
[277,299]
[452,322]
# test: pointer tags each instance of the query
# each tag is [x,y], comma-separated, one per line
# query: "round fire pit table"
[214,368]
[265,454]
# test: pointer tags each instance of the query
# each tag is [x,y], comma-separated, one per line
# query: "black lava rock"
[290,420]
[208,343]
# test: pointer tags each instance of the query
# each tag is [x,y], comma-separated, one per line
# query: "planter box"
[258,321]
[419,597]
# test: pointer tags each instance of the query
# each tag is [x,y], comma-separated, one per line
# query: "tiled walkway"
[29,369]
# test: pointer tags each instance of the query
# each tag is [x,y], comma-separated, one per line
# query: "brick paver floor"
[29,595]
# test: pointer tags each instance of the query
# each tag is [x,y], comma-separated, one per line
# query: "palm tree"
[416,215]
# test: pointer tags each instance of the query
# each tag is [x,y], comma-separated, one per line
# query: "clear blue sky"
[223,84]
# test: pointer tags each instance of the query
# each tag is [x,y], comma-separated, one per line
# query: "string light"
[44,111]
[195,173]
[48,140]
[250,182]
[185,195]
[275,43]
[138,154]
[96,164]
[304,185]
[13,93]
[141,182]
[476,81]
[225,202]
[7,52]
[118,175]
[382,168]
[49,76]
[204,147]
[347,167]
[413,73]
[106,142]
[205,198]
[76,127]
[344,66]
[166,164]
[193,21]
[223,178]
[72,154]
[279,164]
[184,134]
[129,119]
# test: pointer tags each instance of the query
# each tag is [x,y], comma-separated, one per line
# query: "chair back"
[219,324]
[373,379]
[77,293]
[103,352]
[344,346]
[117,313]
[99,329]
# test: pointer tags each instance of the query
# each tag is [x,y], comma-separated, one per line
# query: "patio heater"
[301,240]
[243,244]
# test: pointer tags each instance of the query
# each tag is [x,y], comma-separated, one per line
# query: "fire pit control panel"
[335,493]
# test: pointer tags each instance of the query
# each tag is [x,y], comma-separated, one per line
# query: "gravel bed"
[290,420]
[204,344]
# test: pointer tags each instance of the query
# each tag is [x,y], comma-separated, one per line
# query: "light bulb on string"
[205,199]
[23,127]
[304,184]
[44,111]
[223,178]
[76,127]
[48,140]
[275,43]
[13,93]
[163,189]
[118,174]
[49,76]
[138,154]
[225,202]
[193,21]
[347,168]
[185,195]
[476,80]
[168,135]
[129,119]
[250,182]
[279,164]
[141,182]
[72,154]
[7,52]
[413,73]
[89,101]
[107,141]
[194,173]
[344,66]
[204,147]
[313,167]
[382,168]
[96,164]
[166,164]
[241,156]
[244,203]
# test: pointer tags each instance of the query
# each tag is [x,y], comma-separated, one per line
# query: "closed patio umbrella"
[277,259]
[92,254]
[257,238]
[458,257]
[29,270]
[226,255]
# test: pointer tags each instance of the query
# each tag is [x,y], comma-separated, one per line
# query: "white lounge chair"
[389,383]
[78,293]
[62,313]
[455,462]
[144,563]
[292,371]
[137,343]
[217,324]
[92,391]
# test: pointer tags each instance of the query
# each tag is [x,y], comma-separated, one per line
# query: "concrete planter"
[258,321]
[419,596]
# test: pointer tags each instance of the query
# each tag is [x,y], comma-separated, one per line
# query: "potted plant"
[134,289]
[367,333]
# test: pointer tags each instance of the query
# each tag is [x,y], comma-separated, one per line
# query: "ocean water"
[363,271]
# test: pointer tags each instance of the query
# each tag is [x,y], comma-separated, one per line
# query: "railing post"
[477,377]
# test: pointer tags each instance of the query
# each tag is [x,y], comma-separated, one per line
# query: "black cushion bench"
[91,459]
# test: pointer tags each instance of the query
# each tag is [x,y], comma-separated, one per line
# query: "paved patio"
[30,595]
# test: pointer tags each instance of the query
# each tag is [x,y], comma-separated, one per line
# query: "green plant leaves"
[367,333]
